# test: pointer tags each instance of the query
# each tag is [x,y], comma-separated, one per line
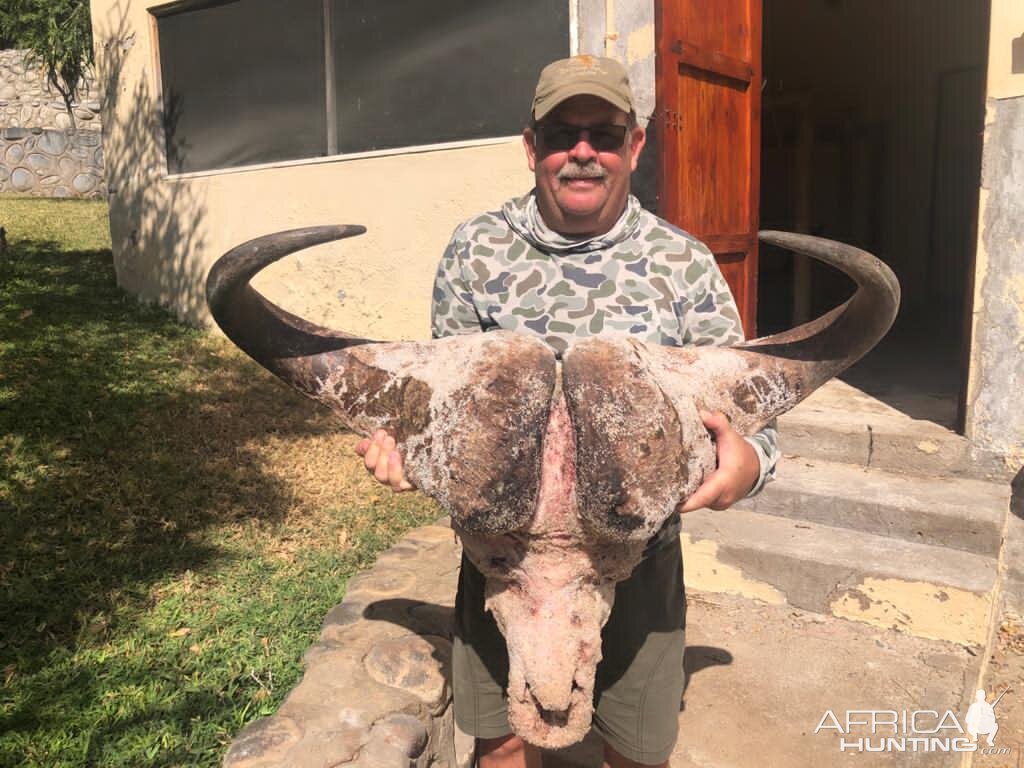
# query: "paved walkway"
[760,680]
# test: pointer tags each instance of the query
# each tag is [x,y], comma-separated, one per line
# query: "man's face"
[582,177]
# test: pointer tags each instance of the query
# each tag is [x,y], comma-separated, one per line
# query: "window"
[243,83]
[257,81]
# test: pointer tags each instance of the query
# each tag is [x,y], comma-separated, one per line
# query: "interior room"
[872,119]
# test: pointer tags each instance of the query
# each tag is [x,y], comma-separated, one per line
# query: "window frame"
[332,155]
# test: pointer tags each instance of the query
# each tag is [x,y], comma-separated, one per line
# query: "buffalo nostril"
[556,719]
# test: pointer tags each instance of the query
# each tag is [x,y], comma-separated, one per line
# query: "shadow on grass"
[128,443]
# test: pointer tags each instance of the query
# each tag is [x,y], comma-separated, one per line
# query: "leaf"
[181,632]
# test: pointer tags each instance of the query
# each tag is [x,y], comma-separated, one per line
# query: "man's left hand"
[738,467]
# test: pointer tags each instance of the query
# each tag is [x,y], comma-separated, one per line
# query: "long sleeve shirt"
[645,277]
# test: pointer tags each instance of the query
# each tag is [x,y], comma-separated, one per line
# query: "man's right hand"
[383,461]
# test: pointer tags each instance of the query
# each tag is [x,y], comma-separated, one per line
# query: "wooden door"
[708,125]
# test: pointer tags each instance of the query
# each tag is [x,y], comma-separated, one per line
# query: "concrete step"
[840,423]
[959,513]
[923,590]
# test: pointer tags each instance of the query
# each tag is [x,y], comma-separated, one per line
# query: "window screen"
[243,83]
[415,72]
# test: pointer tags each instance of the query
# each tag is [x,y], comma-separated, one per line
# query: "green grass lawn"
[175,523]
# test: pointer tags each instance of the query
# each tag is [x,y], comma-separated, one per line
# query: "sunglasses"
[560,137]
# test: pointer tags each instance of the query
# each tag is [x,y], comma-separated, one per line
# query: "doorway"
[872,119]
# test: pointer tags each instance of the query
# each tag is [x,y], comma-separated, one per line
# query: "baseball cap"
[591,75]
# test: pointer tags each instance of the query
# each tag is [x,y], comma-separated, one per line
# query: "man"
[577,257]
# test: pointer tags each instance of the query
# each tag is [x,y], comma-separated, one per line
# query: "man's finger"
[363,446]
[716,422]
[704,496]
[396,472]
[372,455]
[381,468]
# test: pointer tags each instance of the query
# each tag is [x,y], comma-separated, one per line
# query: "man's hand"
[383,461]
[738,467]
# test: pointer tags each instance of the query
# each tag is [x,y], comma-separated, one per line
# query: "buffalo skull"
[555,472]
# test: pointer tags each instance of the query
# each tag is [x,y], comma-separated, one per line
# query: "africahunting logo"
[918,730]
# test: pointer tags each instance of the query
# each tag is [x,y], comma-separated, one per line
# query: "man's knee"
[500,747]
[506,752]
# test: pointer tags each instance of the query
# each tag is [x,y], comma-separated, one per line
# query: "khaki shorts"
[639,685]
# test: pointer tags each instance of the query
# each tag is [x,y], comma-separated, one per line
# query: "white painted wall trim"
[343,158]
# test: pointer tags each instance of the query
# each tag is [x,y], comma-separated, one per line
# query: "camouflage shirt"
[645,278]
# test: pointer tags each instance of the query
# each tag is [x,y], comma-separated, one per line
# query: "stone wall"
[40,153]
[377,686]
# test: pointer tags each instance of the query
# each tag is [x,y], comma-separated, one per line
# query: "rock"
[433,534]
[333,743]
[49,181]
[84,114]
[404,551]
[22,180]
[403,732]
[61,192]
[263,743]
[52,142]
[414,664]
[380,754]
[37,161]
[84,182]
[14,154]
[391,582]
[62,121]
[87,138]
[342,614]
[93,105]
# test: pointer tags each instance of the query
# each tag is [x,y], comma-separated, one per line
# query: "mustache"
[572,171]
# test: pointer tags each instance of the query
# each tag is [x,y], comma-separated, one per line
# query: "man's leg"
[640,678]
[507,752]
[612,759]
[480,676]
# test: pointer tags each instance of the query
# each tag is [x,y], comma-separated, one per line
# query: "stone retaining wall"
[376,691]
[50,163]
[377,688]
[40,154]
